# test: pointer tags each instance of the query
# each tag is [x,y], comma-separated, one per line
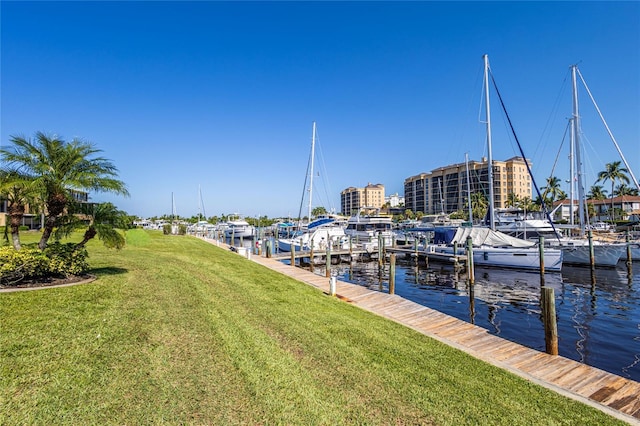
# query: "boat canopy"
[488,237]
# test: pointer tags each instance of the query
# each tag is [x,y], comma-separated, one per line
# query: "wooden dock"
[608,392]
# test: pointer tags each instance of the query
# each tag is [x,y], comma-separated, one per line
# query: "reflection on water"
[598,319]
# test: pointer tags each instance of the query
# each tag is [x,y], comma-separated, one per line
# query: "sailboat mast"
[313,148]
[576,141]
[492,223]
[572,173]
[466,162]
[199,204]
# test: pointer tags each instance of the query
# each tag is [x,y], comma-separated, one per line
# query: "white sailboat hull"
[604,254]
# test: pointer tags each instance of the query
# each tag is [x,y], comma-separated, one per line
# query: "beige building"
[370,198]
[445,189]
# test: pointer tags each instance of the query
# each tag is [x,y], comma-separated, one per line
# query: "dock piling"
[550,325]
[470,267]
[392,274]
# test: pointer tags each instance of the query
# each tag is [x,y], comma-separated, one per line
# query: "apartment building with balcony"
[445,189]
[368,199]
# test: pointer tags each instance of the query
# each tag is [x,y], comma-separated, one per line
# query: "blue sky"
[218,98]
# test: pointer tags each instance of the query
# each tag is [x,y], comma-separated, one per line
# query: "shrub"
[30,262]
[66,259]
[166,229]
[182,229]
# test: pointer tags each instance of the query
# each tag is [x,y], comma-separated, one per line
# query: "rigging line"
[564,137]
[325,175]
[544,207]
[553,113]
[304,189]
[608,130]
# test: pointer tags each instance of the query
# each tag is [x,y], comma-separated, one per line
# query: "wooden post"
[233,237]
[350,249]
[550,325]
[379,250]
[311,256]
[541,254]
[629,259]
[328,261]
[293,254]
[392,274]
[470,267]
[592,257]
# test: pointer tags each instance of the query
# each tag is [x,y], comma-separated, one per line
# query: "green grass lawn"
[178,331]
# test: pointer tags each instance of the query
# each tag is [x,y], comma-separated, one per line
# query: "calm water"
[598,324]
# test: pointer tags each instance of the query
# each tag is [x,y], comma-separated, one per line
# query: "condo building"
[445,189]
[368,199]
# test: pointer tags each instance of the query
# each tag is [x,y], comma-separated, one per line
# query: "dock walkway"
[608,392]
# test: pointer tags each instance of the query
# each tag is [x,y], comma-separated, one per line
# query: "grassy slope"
[179,331]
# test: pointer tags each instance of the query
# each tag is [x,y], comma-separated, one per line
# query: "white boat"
[495,249]
[239,229]
[320,233]
[518,223]
[577,252]
[367,230]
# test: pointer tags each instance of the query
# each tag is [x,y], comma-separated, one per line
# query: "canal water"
[598,319]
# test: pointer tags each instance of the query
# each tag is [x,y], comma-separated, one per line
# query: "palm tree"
[553,190]
[102,220]
[479,205]
[622,190]
[58,167]
[513,200]
[18,190]
[597,192]
[613,172]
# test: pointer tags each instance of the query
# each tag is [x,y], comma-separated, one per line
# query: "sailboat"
[577,250]
[325,230]
[491,247]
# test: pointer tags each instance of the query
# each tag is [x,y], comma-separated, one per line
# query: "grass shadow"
[108,270]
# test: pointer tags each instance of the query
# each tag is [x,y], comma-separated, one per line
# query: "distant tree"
[479,205]
[613,172]
[552,191]
[513,200]
[529,205]
[408,214]
[597,192]
[58,168]
[317,211]
[459,214]
[623,190]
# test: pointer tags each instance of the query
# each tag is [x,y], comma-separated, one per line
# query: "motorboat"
[319,234]
[367,230]
[239,229]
